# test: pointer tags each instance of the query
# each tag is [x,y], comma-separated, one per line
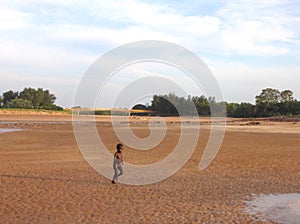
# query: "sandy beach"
[45,179]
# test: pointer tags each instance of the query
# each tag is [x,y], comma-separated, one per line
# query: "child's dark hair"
[119,146]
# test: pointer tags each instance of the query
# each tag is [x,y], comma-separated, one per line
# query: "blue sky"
[248,45]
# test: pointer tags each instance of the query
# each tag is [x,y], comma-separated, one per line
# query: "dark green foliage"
[271,102]
[162,105]
[202,105]
[172,105]
[231,109]
[268,96]
[19,103]
[8,96]
[289,108]
[286,96]
[30,98]
[245,110]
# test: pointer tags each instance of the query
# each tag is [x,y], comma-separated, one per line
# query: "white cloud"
[106,36]
[236,28]
[42,58]
[256,37]
[62,38]
[11,19]
[255,27]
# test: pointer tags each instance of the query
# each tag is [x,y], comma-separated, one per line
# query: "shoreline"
[280,208]
[46,121]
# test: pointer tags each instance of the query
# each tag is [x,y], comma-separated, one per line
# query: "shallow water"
[2,130]
[280,208]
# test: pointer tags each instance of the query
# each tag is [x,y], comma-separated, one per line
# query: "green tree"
[245,110]
[172,105]
[1,101]
[168,105]
[286,96]
[186,106]
[231,109]
[165,105]
[27,94]
[155,103]
[9,95]
[40,98]
[272,102]
[267,110]
[267,103]
[202,105]
[19,103]
[48,100]
[289,108]
[268,96]
[294,107]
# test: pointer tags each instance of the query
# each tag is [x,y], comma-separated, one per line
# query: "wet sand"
[282,208]
[45,179]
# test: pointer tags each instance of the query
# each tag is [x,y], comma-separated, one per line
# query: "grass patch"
[20,110]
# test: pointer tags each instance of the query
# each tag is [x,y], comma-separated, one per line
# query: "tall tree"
[30,98]
[268,96]
[38,98]
[202,105]
[286,96]
[27,94]
[9,95]
[48,99]
[165,105]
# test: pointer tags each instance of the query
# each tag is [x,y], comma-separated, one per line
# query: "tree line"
[29,98]
[270,102]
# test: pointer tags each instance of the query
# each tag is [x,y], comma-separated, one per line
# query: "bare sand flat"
[45,179]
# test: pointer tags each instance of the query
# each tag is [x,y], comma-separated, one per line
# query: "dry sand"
[45,179]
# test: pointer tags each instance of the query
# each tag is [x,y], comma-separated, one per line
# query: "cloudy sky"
[248,45]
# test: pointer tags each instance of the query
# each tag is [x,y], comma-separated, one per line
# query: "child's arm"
[122,158]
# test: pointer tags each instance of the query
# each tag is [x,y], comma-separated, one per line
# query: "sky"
[247,45]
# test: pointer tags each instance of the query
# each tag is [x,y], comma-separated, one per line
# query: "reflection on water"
[281,208]
[2,130]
